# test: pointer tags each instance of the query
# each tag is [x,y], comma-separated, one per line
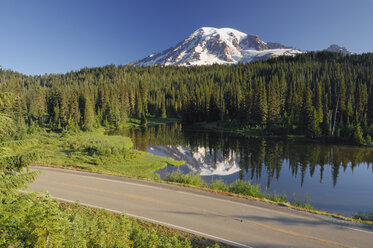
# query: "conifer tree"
[357,136]
[260,105]
[89,115]
[13,177]
[274,102]
[311,119]
[163,112]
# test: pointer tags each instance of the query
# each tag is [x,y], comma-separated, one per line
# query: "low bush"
[218,185]
[47,223]
[245,188]
[301,203]
[364,216]
[191,178]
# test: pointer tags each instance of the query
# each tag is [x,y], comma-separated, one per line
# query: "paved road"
[237,222]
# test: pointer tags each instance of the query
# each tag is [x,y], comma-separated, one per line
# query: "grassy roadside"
[237,187]
[246,190]
[94,152]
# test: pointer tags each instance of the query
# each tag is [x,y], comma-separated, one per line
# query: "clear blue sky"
[47,36]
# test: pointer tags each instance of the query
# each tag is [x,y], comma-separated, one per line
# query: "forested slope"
[315,94]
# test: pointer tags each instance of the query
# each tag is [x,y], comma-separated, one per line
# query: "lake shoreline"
[224,126]
[228,127]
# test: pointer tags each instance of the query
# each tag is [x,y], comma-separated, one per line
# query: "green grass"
[302,204]
[238,187]
[159,121]
[94,152]
[234,127]
[151,121]
[190,178]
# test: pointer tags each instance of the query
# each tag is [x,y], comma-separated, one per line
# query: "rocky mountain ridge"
[338,49]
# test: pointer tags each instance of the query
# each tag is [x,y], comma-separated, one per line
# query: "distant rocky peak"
[338,49]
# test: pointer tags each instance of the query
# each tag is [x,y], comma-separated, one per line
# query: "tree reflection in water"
[257,154]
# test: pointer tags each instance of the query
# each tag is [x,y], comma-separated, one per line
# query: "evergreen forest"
[318,95]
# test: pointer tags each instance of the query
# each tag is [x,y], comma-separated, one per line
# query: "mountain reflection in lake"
[335,178]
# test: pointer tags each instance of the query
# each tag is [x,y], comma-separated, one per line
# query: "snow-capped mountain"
[338,49]
[208,46]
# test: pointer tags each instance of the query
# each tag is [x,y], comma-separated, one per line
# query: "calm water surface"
[334,178]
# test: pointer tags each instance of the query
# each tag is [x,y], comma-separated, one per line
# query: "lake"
[334,178]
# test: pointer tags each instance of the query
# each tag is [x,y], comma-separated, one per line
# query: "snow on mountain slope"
[208,46]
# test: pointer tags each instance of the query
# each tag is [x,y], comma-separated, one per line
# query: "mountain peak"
[338,49]
[209,45]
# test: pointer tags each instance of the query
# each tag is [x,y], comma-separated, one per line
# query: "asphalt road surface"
[231,220]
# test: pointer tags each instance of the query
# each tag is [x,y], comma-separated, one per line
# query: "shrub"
[191,178]
[218,185]
[245,188]
[364,216]
[368,140]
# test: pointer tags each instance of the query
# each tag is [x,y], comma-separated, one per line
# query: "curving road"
[234,221]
